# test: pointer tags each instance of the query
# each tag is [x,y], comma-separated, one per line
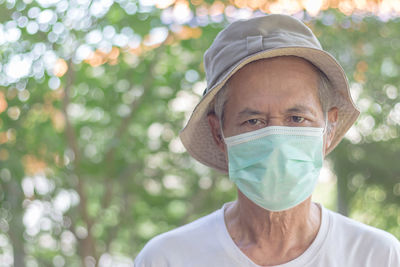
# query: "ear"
[215,127]
[332,119]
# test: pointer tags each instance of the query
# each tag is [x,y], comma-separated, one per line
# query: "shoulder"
[361,239]
[170,247]
[353,228]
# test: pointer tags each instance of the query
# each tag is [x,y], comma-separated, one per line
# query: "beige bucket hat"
[245,41]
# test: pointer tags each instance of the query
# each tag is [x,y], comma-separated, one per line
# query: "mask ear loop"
[326,124]
[325,129]
[222,131]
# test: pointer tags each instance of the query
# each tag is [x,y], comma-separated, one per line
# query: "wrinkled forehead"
[288,68]
[295,61]
[281,83]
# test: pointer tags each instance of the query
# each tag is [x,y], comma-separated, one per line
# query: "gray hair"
[326,97]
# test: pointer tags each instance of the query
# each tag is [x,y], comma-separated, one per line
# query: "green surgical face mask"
[276,167]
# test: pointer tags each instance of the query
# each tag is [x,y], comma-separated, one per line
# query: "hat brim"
[197,137]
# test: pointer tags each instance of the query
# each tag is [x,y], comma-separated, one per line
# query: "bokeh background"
[93,95]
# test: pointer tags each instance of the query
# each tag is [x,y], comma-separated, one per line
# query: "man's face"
[281,91]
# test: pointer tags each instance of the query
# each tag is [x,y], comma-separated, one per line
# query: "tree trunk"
[16,230]
[342,197]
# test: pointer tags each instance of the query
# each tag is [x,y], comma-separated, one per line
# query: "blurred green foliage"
[93,95]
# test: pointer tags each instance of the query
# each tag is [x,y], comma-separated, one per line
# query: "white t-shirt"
[206,242]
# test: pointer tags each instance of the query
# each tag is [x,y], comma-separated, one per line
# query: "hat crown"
[244,38]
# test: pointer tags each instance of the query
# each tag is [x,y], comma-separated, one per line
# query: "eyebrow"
[295,109]
[301,109]
[249,112]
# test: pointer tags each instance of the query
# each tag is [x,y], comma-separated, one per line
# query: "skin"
[281,91]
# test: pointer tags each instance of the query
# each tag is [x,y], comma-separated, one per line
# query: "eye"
[253,122]
[298,119]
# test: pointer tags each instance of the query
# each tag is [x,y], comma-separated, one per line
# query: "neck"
[269,237]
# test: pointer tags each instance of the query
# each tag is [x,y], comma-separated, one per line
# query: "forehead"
[281,66]
[279,78]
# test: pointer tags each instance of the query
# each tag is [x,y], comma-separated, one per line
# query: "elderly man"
[275,105]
